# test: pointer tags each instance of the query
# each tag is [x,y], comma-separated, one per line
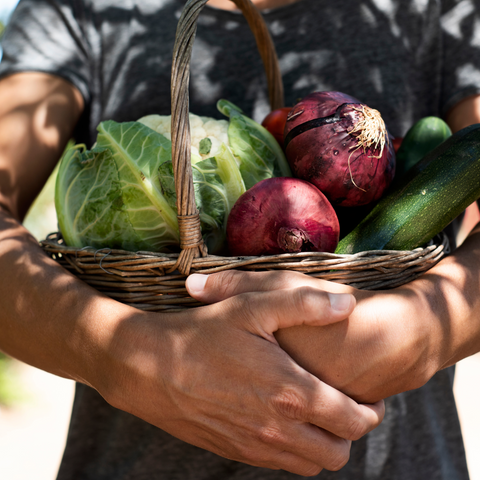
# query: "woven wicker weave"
[156,281]
[140,279]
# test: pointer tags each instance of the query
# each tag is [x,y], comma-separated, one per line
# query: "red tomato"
[397,141]
[275,121]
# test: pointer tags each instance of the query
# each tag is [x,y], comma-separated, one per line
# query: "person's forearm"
[444,302]
[49,319]
[396,340]
[46,314]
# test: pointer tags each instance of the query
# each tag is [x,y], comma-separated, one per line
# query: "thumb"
[297,301]
[271,311]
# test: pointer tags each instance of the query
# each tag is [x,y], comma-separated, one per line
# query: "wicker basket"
[156,281]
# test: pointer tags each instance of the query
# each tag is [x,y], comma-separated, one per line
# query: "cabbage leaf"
[259,153]
[111,196]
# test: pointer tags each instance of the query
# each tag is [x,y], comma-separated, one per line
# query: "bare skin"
[394,340]
[149,363]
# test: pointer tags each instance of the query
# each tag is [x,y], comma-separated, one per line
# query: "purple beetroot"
[340,145]
[282,215]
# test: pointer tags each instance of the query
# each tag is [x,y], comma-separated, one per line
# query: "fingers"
[296,447]
[317,450]
[333,421]
[339,414]
[305,451]
[287,441]
[314,402]
[284,307]
[219,286]
[317,432]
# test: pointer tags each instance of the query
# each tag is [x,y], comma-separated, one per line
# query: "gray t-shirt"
[407,58]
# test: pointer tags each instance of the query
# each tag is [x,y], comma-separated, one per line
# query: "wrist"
[426,330]
[93,340]
[135,350]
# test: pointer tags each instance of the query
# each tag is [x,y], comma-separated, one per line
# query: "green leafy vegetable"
[259,153]
[111,196]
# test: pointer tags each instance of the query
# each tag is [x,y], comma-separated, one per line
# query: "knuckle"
[227,282]
[339,457]
[306,300]
[357,428]
[270,435]
[289,404]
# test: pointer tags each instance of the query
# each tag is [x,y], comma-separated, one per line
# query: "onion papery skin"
[282,215]
[327,155]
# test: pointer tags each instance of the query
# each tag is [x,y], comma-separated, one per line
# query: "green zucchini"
[433,193]
[421,138]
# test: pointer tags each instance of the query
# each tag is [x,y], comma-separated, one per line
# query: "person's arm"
[394,340]
[212,376]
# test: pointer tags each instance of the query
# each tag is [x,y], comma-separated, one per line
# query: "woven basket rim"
[55,239]
[144,280]
[365,259]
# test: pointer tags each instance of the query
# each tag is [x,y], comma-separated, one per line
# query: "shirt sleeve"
[46,36]
[460,26]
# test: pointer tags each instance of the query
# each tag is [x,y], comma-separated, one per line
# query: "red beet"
[341,146]
[280,215]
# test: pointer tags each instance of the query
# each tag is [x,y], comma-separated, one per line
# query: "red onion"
[280,215]
[340,145]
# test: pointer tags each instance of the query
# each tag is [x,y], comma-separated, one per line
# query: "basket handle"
[191,241]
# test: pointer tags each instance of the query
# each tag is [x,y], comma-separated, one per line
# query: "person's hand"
[392,341]
[215,377]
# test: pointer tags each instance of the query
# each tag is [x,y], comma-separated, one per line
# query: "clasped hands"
[277,370]
[381,346]
[377,348]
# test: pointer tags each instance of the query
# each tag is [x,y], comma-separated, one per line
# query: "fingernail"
[340,302]
[196,283]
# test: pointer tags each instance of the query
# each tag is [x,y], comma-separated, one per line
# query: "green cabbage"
[121,193]
[111,195]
